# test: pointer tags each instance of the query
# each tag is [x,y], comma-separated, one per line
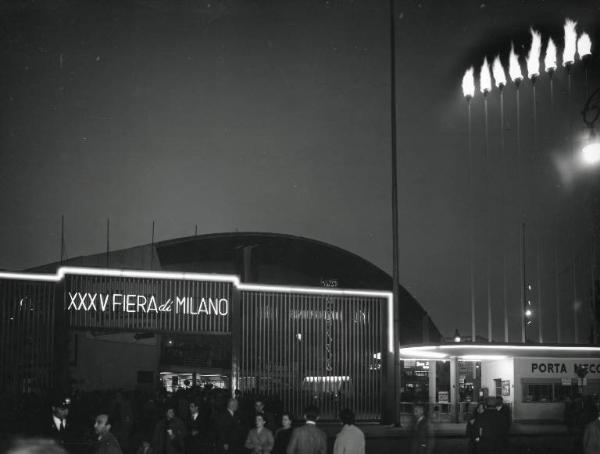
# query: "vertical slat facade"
[26,336]
[314,349]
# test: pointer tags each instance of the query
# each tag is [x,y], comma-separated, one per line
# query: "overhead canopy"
[473,351]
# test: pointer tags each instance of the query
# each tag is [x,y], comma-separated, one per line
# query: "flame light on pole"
[533,58]
[570,43]
[584,46]
[514,68]
[468,87]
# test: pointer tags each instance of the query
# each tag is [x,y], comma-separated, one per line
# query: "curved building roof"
[268,258]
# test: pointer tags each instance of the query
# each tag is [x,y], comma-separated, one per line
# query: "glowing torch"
[468,87]
[570,43]
[584,46]
[570,49]
[514,68]
[533,58]
[533,71]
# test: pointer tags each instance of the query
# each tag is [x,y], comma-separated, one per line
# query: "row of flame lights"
[573,46]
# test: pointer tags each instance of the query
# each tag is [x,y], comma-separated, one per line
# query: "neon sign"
[135,303]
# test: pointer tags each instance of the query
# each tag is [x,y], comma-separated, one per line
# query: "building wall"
[112,361]
[502,369]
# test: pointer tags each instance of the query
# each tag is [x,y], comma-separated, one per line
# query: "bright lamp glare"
[591,154]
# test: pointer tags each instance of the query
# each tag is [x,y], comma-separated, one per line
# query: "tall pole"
[152,249]
[521,190]
[557,287]
[107,242]
[471,226]
[503,166]
[524,321]
[62,239]
[487,218]
[536,212]
[395,271]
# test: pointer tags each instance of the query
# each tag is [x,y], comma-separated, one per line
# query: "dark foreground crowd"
[193,421]
[209,421]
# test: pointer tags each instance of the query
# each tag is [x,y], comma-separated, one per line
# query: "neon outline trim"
[235,280]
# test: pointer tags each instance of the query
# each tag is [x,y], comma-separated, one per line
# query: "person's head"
[259,406]
[193,407]
[102,424]
[499,402]
[480,408]
[60,407]
[418,411]
[259,420]
[347,416]
[311,413]
[170,414]
[286,420]
[232,405]
[35,446]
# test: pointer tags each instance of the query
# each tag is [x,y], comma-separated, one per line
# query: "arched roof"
[269,258]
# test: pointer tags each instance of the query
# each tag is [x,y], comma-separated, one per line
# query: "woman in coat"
[260,439]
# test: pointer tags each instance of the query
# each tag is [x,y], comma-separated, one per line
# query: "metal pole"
[487,219]
[523,285]
[107,242]
[62,239]
[152,248]
[395,271]
[471,227]
[503,164]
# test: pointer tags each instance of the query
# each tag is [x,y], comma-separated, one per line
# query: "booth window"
[542,392]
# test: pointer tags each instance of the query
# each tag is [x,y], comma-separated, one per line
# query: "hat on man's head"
[60,401]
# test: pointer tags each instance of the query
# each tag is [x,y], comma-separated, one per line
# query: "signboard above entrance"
[148,304]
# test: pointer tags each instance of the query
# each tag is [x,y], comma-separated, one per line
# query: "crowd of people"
[209,421]
[192,421]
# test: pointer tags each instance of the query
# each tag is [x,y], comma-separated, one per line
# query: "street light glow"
[591,154]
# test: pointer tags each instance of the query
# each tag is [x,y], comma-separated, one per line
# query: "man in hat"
[59,427]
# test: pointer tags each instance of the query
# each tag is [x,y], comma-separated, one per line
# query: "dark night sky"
[274,116]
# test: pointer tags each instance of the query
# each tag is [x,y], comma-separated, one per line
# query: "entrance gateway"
[140,328]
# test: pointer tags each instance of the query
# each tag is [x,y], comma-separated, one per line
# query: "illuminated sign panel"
[132,303]
[117,302]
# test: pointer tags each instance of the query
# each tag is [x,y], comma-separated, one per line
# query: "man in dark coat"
[58,426]
[308,439]
[422,434]
[230,431]
[493,428]
[169,434]
[196,429]
[106,442]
